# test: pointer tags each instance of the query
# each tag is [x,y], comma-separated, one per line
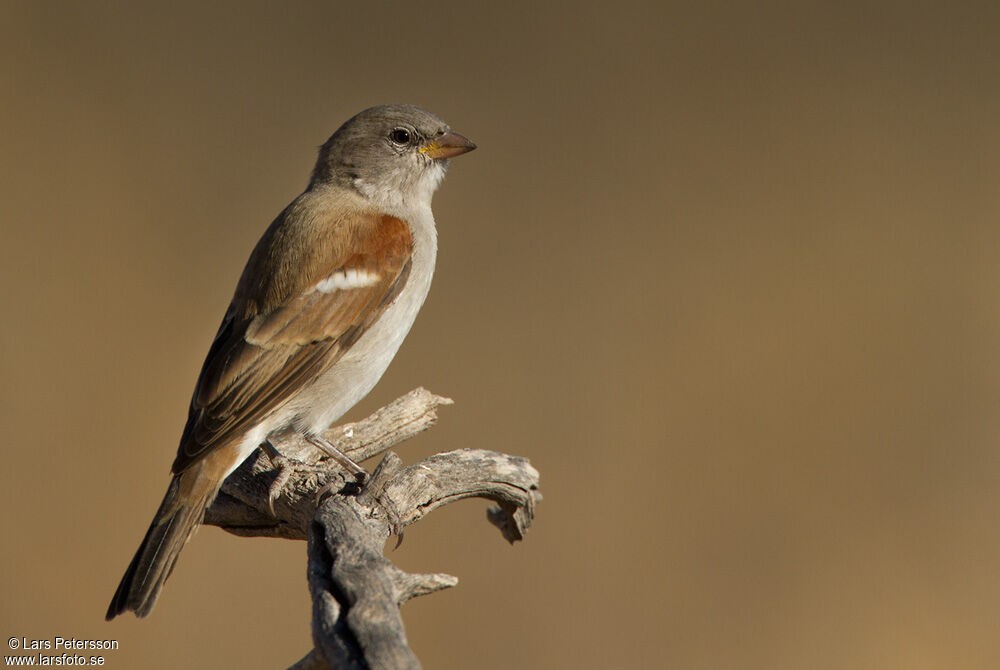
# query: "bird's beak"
[448,145]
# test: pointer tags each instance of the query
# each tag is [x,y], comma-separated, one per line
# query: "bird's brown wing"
[285,328]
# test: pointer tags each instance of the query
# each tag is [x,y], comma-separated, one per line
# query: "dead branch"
[356,591]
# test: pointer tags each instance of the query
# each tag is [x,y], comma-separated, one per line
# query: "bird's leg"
[285,466]
[360,474]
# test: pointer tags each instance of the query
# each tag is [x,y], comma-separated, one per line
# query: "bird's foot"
[359,473]
[350,488]
[285,467]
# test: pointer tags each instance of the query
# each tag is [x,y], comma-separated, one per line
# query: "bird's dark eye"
[400,136]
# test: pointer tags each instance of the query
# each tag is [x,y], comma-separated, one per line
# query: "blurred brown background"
[727,275]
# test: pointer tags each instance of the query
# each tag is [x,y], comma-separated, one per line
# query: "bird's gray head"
[393,155]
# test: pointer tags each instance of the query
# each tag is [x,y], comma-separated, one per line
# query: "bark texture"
[356,592]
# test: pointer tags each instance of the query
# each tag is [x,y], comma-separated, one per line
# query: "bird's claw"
[350,488]
[284,469]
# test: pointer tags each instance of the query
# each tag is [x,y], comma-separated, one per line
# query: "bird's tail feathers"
[180,513]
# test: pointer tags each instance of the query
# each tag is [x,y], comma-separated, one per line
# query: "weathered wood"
[241,507]
[356,591]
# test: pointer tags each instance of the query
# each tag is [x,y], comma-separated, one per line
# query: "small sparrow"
[324,303]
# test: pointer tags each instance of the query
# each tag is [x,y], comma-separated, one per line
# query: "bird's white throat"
[405,191]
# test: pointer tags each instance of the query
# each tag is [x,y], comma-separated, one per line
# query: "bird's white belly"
[337,390]
[313,409]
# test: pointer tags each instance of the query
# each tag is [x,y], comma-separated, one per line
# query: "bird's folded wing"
[274,341]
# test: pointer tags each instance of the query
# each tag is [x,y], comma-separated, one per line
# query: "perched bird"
[325,300]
